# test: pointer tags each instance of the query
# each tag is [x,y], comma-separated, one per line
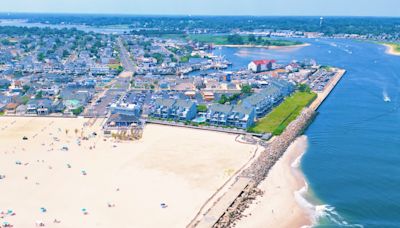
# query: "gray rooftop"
[221,108]
[166,102]
[184,103]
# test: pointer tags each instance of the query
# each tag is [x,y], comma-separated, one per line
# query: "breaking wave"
[318,213]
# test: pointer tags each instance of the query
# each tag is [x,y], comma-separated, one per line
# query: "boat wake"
[386,97]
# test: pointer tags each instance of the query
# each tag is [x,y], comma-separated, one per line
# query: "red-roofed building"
[262,65]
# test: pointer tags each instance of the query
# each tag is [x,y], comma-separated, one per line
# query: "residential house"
[11,108]
[39,106]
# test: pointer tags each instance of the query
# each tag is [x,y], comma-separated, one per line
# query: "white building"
[261,65]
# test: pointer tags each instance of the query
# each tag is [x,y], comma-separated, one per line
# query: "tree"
[5,42]
[77,111]
[235,39]
[41,57]
[201,108]
[259,40]
[223,99]
[65,53]
[304,88]
[26,88]
[252,38]
[119,69]
[39,95]
[246,89]
[25,100]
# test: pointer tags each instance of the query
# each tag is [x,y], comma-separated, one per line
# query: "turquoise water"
[353,161]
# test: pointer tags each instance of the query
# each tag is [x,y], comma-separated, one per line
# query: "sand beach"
[280,205]
[65,174]
[266,47]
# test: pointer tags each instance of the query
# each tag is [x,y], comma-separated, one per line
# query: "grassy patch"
[225,40]
[277,120]
[173,36]
[114,66]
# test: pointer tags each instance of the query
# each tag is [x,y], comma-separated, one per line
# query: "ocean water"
[353,161]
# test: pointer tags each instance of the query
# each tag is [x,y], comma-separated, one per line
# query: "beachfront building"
[217,114]
[236,116]
[184,110]
[268,97]
[257,66]
[122,121]
[179,110]
[162,108]
[39,107]
[241,117]
[126,109]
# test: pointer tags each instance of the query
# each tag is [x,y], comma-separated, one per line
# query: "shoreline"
[283,194]
[390,49]
[258,176]
[262,46]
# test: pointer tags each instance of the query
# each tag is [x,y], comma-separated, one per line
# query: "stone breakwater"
[258,171]
[274,150]
[277,147]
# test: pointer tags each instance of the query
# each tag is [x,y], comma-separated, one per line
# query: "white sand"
[390,50]
[279,206]
[177,166]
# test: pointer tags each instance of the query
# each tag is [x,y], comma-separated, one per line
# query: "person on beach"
[85,212]
[56,221]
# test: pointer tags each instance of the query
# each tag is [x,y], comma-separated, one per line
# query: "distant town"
[131,79]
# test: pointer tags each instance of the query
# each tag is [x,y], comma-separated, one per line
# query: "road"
[177,57]
[125,57]
[118,86]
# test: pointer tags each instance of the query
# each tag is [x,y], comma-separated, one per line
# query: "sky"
[210,7]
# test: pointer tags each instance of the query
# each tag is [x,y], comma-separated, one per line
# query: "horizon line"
[192,15]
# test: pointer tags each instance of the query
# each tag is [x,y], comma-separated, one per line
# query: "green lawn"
[223,40]
[207,38]
[277,120]
[114,66]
